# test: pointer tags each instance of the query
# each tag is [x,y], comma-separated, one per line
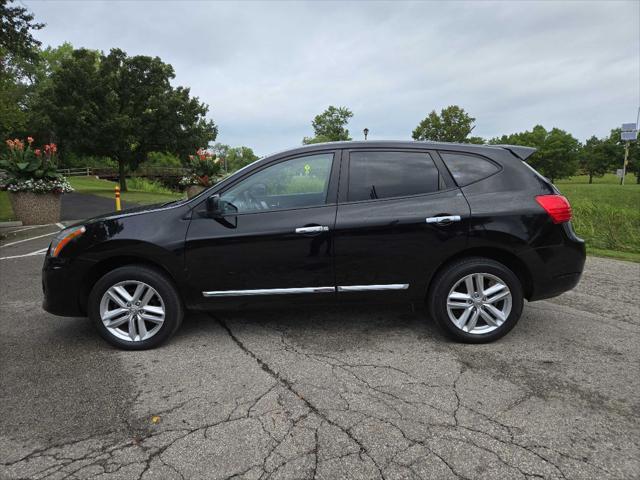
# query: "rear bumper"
[559,267]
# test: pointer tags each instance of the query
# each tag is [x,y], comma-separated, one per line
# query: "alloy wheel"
[132,311]
[479,303]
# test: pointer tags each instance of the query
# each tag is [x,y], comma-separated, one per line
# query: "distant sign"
[629,132]
[619,173]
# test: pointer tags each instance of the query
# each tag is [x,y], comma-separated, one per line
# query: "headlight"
[63,238]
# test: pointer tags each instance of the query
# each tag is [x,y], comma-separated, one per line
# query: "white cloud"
[266,68]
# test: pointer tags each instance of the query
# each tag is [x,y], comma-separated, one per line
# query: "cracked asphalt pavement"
[361,392]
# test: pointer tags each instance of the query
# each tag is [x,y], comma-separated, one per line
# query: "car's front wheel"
[135,307]
[476,300]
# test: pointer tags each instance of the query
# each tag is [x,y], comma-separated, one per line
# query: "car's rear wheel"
[135,307]
[476,300]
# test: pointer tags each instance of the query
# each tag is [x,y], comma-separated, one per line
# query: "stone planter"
[36,208]
[193,190]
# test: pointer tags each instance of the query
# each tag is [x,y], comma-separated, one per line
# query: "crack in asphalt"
[289,386]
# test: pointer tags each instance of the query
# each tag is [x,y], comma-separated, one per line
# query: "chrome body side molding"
[289,291]
[267,291]
[364,288]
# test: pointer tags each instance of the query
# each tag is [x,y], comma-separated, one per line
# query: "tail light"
[556,206]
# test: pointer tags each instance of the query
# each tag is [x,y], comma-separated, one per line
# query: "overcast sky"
[267,68]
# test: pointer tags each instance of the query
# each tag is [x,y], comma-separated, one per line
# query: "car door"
[399,215]
[273,239]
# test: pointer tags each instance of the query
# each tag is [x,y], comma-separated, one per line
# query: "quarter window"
[297,183]
[374,175]
[467,169]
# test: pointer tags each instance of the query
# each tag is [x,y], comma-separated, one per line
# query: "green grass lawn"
[606,214]
[6,213]
[105,188]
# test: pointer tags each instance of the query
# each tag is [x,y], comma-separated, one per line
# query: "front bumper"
[62,287]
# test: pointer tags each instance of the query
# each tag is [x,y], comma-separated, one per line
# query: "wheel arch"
[101,268]
[507,258]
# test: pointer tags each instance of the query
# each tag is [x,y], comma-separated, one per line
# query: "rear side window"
[374,175]
[467,169]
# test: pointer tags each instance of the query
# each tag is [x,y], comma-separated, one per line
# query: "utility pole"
[624,164]
[628,134]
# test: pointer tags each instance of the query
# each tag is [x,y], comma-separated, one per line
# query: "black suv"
[470,230]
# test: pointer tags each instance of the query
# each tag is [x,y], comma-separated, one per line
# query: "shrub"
[145,185]
[72,160]
[204,168]
[162,159]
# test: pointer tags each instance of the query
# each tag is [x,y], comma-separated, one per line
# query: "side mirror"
[218,208]
[213,206]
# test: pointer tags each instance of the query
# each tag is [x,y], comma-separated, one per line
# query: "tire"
[454,280]
[157,317]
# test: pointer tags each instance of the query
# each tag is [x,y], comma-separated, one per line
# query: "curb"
[10,224]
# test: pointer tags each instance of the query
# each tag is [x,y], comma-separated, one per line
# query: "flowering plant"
[203,167]
[32,169]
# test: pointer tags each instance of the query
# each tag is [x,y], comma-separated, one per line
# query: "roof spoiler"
[521,152]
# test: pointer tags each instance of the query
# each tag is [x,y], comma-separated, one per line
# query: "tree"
[557,154]
[18,58]
[234,158]
[330,126]
[452,125]
[124,107]
[239,157]
[594,160]
[38,119]
[18,48]
[617,154]
[475,140]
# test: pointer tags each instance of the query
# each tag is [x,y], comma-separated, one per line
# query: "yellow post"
[118,198]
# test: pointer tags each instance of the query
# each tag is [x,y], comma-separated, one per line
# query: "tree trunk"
[638,178]
[590,178]
[121,176]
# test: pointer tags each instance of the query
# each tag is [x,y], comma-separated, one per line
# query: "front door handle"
[315,229]
[444,220]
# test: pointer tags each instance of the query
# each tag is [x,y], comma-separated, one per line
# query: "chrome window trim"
[288,291]
[364,288]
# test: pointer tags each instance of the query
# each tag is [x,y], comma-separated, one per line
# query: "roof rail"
[519,151]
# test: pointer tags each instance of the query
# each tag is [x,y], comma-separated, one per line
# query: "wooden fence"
[160,173]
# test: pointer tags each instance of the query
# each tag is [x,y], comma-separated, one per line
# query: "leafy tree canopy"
[18,48]
[234,158]
[453,124]
[557,155]
[123,107]
[18,58]
[330,126]
[597,157]
[239,157]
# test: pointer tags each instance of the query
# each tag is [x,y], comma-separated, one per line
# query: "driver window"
[297,183]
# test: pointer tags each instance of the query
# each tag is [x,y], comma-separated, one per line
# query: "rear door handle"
[316,229]
[444,220]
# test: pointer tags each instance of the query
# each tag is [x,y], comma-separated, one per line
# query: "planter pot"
[194,190]
[36,208]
